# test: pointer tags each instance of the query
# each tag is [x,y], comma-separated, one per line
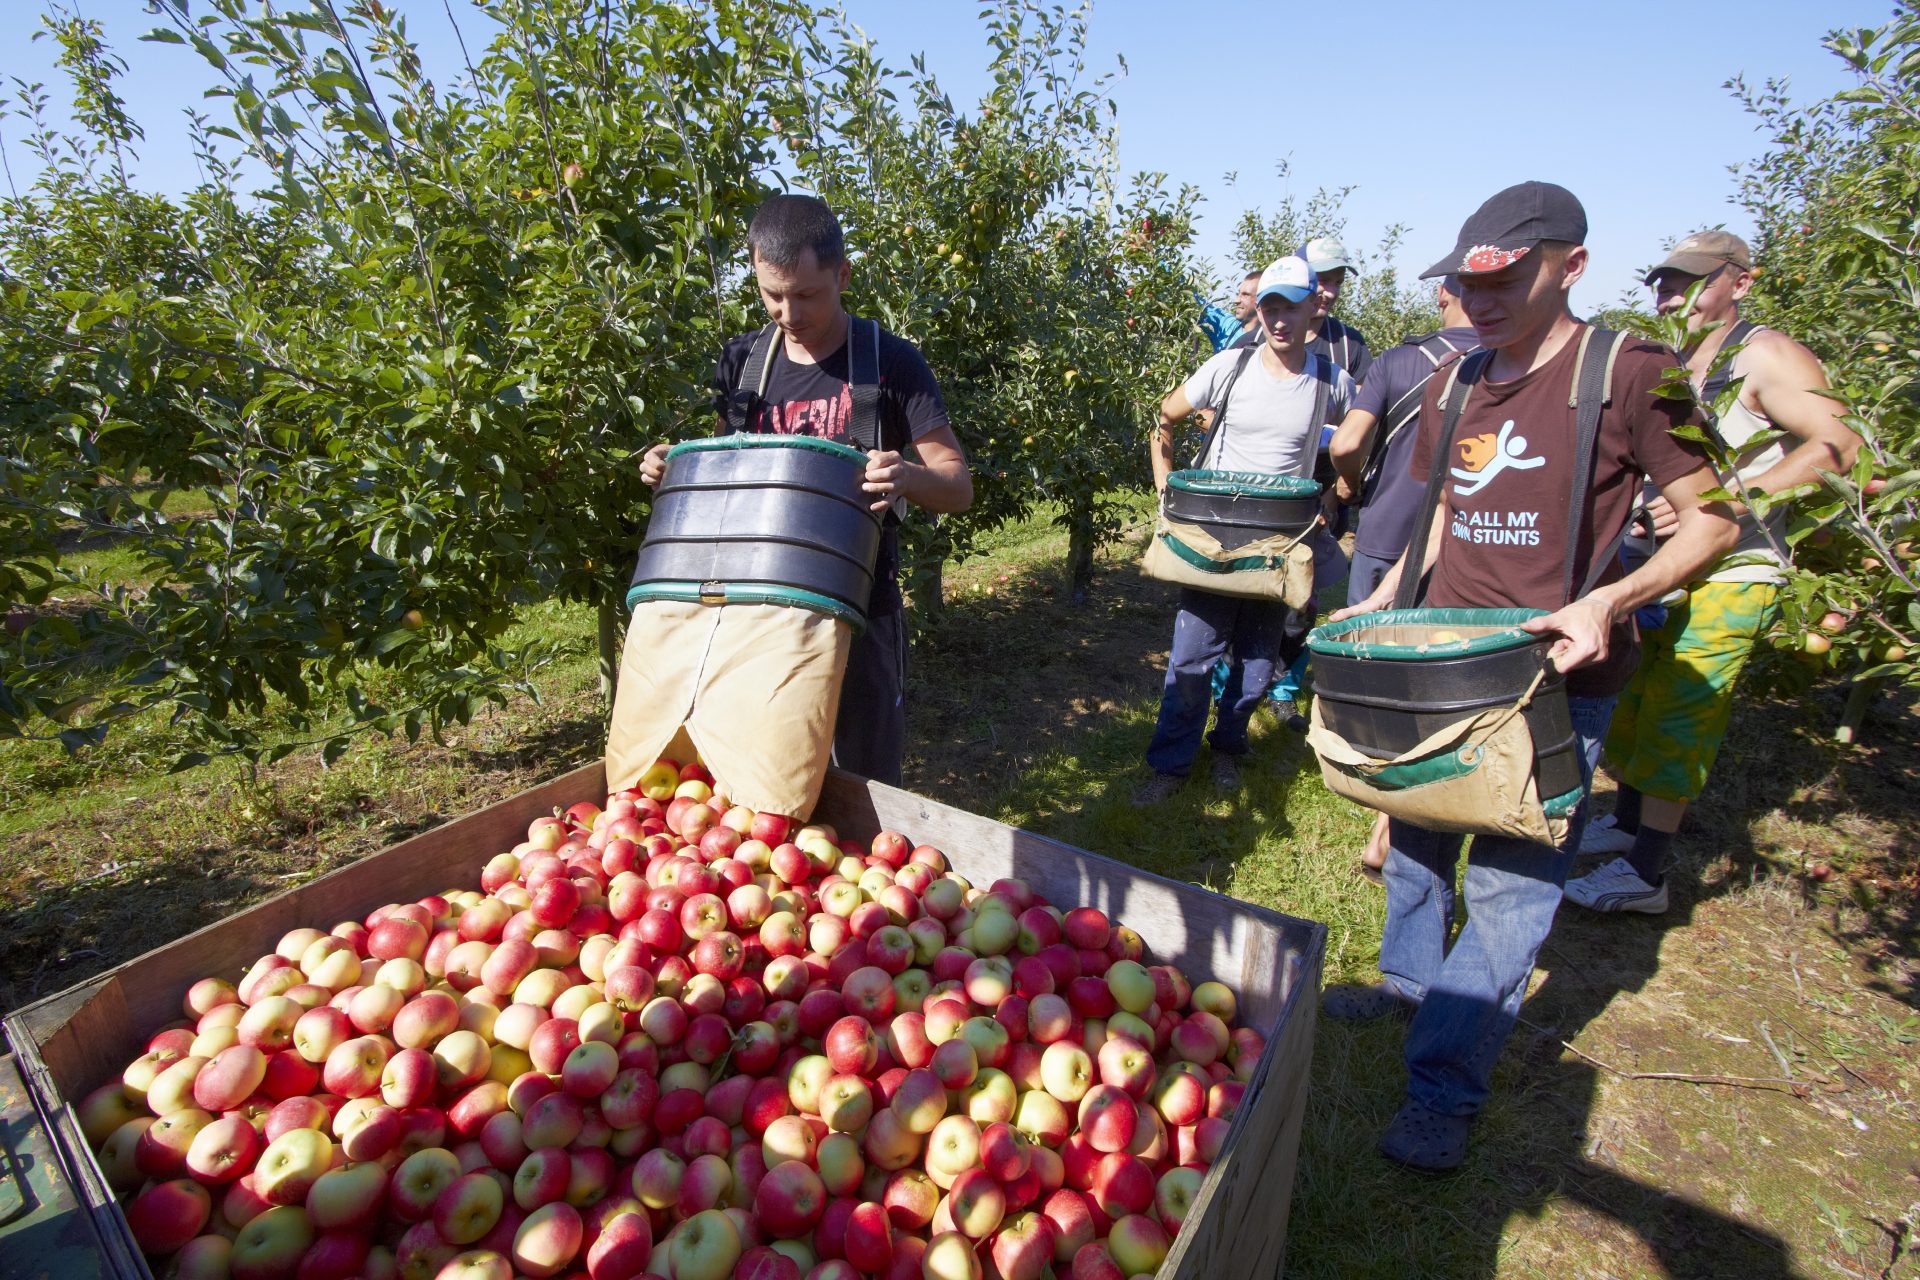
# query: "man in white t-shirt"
[1263,401]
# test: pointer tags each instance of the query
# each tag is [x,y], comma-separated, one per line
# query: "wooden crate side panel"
[1237,1227]
[1251,949]
[87,1045]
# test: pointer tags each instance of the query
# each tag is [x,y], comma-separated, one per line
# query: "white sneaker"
[1601,836]
[1616,887]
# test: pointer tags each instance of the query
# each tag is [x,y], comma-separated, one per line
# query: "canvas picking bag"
[1237,533]
[1240,533]
[1479,773]
[1476,776]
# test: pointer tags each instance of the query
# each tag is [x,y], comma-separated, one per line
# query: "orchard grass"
[1037,713]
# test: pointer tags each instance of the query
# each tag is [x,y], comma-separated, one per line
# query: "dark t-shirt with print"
[816,400]
[1393,386]
[1510,481]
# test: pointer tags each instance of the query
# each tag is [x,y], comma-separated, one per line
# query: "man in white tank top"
[1669,721]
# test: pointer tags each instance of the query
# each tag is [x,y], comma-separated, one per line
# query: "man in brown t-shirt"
[1498,539]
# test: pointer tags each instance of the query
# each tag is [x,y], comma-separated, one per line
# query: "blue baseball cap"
[1290,277]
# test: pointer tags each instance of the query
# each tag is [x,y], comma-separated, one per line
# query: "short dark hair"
[1251,275]
[786,226]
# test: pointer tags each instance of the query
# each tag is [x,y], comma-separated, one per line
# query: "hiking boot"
[1616,887]
[1226,773]
[1157,789]
[1354,1002]
[1426,1140]
[1602,836]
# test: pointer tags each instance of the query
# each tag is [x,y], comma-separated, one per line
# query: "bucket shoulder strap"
[863,381]
[1439,352]
[1589,397]
[749,392]
[1226,393]
[1720,379]
[1462,375]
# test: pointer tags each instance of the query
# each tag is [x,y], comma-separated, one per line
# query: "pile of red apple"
[674,1038]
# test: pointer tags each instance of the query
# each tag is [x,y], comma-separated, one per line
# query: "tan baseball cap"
[1705,252]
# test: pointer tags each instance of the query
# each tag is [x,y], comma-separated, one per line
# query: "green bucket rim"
[1334,639]
[1243,484]
[751,440]
[748,593]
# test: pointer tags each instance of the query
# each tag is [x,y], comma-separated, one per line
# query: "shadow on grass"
[119,916]
[554,746]
[1058,747]
[1534,1145]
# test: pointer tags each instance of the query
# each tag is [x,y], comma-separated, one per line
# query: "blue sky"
[1424,109]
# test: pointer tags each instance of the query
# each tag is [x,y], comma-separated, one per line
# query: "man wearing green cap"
[1672,716]
[1336,340]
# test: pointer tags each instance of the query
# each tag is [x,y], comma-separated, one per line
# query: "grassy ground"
[1588,1162]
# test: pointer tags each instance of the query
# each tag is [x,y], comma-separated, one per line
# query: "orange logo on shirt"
[1477,451]
[1487,456]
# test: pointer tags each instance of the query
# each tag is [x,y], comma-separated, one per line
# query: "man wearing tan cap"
[1672,716]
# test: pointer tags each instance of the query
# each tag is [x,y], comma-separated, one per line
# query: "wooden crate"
[70,1043]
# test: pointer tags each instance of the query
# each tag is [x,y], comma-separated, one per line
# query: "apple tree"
[1054,307]
[416,408]
[1374,300]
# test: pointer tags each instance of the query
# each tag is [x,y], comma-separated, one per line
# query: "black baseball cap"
[1507,227]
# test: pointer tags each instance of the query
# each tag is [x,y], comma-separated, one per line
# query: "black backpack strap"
[1460,380]
[1226,392]
[863,382]
[1407,407]
[746,394]
[1722,377]
[1591,393]
[1323,377]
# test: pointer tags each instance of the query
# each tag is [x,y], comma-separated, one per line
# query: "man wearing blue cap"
[1263,405]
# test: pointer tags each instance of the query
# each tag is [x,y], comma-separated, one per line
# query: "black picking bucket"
[1238,507]
[1386,681]
[762,519]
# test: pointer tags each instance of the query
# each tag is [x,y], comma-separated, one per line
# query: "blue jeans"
[1470,993]
[1208,628]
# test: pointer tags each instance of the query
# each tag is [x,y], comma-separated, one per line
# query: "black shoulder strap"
[863,382]
[1407,407]
[1720,379]
[1220,412]
[1323,379]
[746,394]
[1460,381]
[1591,393]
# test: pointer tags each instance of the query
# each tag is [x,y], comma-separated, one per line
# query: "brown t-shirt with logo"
[1510,486]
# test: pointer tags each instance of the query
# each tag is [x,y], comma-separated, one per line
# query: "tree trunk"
[609,638]
[1860,700]
[1080,553]
[925,582]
